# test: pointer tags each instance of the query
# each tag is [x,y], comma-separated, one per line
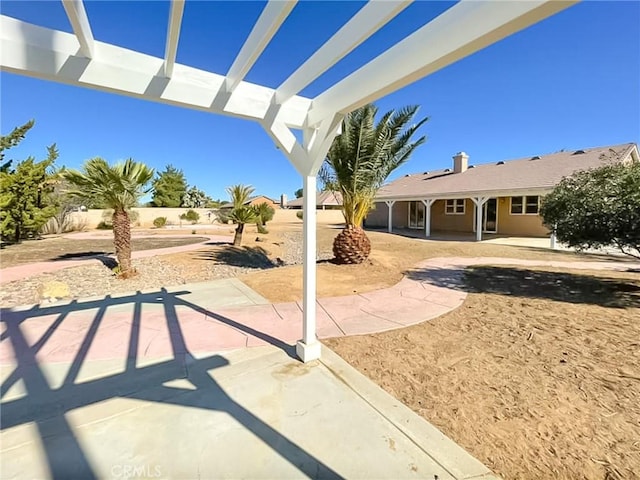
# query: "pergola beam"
[173,34]
[47,54]
[273,15]
[368,20]
[80,24]
[463,29]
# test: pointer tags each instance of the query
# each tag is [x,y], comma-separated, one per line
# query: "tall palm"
[241,214]
[117,187]
[360,159]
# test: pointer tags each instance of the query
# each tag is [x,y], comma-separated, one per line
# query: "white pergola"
[78,59]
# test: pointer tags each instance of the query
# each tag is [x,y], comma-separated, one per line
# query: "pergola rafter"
[173,34]
[367,21]
[78,59]
[80,24]
[271,18]
[464,29]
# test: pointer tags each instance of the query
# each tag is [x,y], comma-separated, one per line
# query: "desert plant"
[159,222]
[118,186]
[240,214]
[359,161]
[299,214]
[264,214]
[103,225]
[190,216]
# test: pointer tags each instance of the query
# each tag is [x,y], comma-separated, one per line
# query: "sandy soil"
[391,257]
[537,374]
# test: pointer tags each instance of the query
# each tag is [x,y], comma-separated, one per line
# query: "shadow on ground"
[529,283]
[251,257]
[103,257]
[47,407]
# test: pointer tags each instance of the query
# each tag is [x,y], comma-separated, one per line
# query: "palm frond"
[366,153]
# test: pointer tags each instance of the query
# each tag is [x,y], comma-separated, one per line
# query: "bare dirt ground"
[61,248]
[537,374]
[391,257]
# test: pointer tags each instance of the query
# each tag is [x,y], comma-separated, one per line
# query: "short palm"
[241,214]
[117,187]
[359,161]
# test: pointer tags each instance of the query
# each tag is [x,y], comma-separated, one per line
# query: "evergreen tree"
[23,190]
[169,188]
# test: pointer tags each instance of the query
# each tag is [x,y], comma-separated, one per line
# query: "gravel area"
[97,279]
[293,249]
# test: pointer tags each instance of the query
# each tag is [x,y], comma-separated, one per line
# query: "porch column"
[552,239]
[479,202]
[390,218]
[309,348]
[427,217]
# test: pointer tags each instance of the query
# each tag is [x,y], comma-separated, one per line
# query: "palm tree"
[360,159]
[241,213]
[117,187]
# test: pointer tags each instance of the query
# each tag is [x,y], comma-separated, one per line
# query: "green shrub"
[262,229]
[159,222]
[190,216]
[103,225]
[299,214]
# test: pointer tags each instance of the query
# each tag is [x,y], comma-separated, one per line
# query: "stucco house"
[255,200]
[501,198]
[324,201]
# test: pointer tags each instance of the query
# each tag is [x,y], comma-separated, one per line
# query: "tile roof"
[534,173]
[322,198]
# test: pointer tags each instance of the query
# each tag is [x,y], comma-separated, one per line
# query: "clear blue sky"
[571,81]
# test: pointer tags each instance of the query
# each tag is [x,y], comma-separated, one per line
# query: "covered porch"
[480,217]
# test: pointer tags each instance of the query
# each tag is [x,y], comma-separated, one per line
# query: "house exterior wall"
[259,200]
[440,221]
[508,224]
[520,225]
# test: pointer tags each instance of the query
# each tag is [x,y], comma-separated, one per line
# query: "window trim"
[523,198]
[456,202]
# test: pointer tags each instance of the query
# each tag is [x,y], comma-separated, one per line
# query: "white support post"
[479,202]
[390,218]
[552,239]
[427,217]
[309,348]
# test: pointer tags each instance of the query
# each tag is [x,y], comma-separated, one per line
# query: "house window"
[527,205]
[454,206]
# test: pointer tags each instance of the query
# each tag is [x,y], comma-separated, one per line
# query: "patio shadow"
[47,407]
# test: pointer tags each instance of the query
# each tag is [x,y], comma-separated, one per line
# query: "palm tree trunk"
[237,239]
[122,241]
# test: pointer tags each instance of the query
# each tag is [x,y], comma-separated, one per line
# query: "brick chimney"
[460,162]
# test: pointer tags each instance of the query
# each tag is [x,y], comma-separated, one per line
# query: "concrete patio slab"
[253,413]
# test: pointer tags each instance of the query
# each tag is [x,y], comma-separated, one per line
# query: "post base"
[308,352]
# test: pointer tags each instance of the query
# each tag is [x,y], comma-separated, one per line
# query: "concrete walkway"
[159,384]
[19,272]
